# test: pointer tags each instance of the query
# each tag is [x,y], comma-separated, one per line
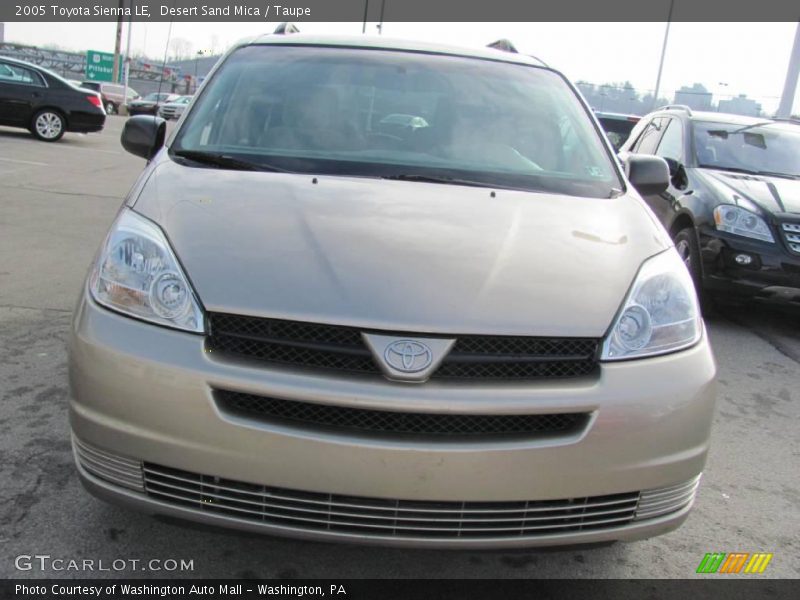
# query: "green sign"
[100,66]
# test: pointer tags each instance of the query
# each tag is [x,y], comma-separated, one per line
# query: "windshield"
[379,113]
[155,97]
[767,148]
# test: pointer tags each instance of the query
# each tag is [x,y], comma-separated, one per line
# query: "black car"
[149,104]
[617,126]
[733,205]
[44,103]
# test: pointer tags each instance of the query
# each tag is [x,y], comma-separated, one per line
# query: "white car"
[174,109]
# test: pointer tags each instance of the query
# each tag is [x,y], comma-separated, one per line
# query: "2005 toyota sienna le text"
[307,320]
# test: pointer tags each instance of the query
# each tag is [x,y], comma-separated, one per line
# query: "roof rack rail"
[682,107]
[284,28]
[505,45]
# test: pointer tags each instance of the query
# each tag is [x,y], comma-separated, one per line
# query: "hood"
[772,194]
[400,256]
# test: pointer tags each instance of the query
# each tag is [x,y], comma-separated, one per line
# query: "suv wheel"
[110,108]
[48,125]
[689,251]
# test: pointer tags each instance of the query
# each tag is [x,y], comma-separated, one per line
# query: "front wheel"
[48,125]
[689,251]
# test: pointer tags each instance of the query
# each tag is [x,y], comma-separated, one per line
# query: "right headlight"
[660,314]
[740,221]
[138,274]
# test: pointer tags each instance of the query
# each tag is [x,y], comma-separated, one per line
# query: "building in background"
[740,105]
[194,71]
[696,97]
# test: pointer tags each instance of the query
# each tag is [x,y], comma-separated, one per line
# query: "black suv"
[733,204]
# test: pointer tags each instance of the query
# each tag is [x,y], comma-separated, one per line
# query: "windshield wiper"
[777,174]
[750,171]
[440,179]
[225,161]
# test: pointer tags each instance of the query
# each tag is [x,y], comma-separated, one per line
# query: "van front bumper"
[149,433]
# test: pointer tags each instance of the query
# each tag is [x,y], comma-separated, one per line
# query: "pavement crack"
[59,310]
[59,193]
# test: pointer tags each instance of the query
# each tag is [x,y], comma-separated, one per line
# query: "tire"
[689,251]
[111,108]
[48,125]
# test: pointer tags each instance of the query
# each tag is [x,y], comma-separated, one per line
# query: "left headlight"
[740,221]
[660,313]
[138,274]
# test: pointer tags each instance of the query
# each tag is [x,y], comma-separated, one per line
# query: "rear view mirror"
[144,135]
[649,174]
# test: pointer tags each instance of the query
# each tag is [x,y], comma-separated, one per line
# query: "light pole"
[196,60]
[127,66]
[790,86]
[663,53]
[380,26]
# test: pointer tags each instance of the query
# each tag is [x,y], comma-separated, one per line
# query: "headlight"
[137,274]
[735,219]
[660,313]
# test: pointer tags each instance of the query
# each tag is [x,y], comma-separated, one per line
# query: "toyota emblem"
[408,356]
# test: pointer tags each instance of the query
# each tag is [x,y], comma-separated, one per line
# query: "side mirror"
[674,166]
[144,135]
[647,173]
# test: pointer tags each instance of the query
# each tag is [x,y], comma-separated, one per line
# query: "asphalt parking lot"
[56,201]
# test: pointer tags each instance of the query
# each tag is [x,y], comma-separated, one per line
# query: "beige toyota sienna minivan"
[391,292]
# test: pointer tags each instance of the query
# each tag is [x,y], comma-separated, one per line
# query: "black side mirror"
[674,166]
[647,173]
[677,173]
[144,135]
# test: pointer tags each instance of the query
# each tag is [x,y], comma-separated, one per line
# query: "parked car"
[473,335]
[47,105]
[733,203]
[174,109]
[113,94]
[617,126]
[149,104]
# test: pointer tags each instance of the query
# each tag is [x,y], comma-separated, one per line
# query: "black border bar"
[401,10]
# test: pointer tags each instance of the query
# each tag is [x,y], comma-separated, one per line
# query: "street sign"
[100,65]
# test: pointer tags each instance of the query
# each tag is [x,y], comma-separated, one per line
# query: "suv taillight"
[95,100]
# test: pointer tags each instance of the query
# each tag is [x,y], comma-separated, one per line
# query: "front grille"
[348,419]
[338,348]
[378,517]
[791,234]
[511,357]
[375,517]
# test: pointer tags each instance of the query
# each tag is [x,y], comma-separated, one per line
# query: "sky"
[728,58]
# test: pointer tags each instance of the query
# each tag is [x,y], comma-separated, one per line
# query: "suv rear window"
[379,113]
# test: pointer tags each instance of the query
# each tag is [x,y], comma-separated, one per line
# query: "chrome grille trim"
[661,501]
[791,234]
[110,467]
[381,517]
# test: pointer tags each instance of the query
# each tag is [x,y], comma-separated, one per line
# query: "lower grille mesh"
[380,421]
[386,518]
